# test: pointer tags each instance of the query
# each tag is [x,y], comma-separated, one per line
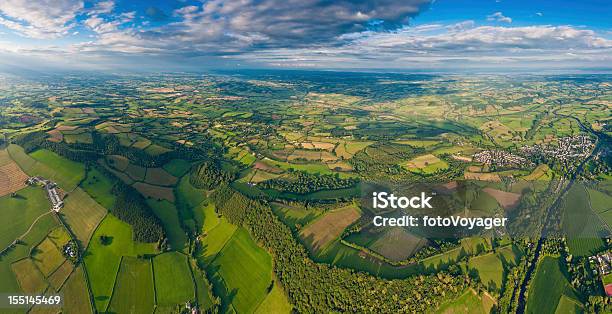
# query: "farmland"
[250,191]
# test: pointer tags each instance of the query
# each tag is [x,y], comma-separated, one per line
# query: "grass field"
[76,298]
[99,187]
[581,223]
[47,257]
[21,211]
[203,288]
[8,280]
[173,281]
[426,164]
[134,291]
[67,173]
[294,216]
[102,261]
[468,302]
[216,237]
[168,215]
[242,273]
[177,167]
[82,214]
[548,286]
[275,302]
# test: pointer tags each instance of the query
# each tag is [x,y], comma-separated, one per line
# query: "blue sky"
[313,34]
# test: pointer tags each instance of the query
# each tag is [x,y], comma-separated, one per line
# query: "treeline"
[314,287]
[208,175]
[132,208]
[305,183]
[109,144]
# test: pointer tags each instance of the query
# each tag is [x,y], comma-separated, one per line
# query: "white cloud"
[499,17]
[40,19]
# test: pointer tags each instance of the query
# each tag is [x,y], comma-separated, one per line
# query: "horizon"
[407,36]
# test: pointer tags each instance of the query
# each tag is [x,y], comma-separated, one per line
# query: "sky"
[419,35]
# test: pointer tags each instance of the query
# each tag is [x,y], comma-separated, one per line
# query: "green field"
[173,281]
[582,225]
[99,187]
[242,273]
[67,173]
[275,302]
[548,286]
[468,302]
[21,211]
[177,167]
[168,215]
[134,291]
[102,261]
[47,257]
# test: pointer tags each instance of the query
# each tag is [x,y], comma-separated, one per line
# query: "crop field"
[245,272]
[59,276]
[21,211]
[173,280]
[82,214]
[29,277]
[12,178]
[136,173]
[47,257]
[329,226]
[134,291]
[508,200]
[548,286]
[76,299]
[394,243]
[99,187]
[155,192]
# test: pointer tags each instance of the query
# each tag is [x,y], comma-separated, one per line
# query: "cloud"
[539,14]
[39,19]
[499,17]
[461,44]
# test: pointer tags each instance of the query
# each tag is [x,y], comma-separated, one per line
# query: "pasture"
[468,302]
[21,211]
[154,192]
[99,187]
[173,280]
[168,215]
[102,259]
[275,302]
[426,164]
[134,291]
[177,167]
[66,173]
[242,273]
[548,286]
